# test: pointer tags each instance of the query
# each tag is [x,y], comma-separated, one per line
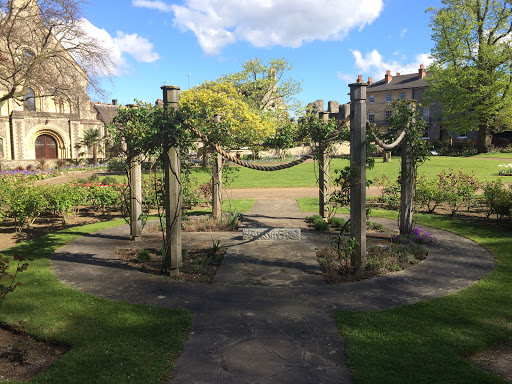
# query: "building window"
[371,117]
[462,135]
[29,100]
[426,114]
[388,115]
[388,97]
[402,95]
[426,132]
[372,99]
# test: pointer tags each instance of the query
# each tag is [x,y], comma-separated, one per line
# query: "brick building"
[411,86]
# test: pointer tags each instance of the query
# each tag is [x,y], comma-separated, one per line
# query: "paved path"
[267,316]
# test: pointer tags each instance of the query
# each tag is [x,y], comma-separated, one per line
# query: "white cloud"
[374,64]
[347,77]
[403,32]
[140,48]
[152,4]
[266,23]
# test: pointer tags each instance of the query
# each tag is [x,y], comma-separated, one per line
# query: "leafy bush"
[116,164]
[8,287]
[109,180]
[337,222]
[428,193]
[143,256]
[458,188]
[26,203]
[497,199]
[318,223]
[389,192]
[64,200]
[104,198]
[375,226]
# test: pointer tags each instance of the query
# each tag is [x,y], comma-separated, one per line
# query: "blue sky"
[329,42]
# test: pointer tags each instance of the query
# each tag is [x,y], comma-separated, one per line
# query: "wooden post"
[135,200]
[217,181]
[408,180]
[358,165]
[323,174]
[172,192]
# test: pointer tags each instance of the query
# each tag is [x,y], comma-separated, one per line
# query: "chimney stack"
[370,81]
[421,72]
[114,101]
[360,78]
[398,73]
[388,76]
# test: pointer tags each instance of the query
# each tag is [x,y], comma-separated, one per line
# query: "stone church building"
[49,127]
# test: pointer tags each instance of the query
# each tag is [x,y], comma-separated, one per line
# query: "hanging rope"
[382,144]
[242,163]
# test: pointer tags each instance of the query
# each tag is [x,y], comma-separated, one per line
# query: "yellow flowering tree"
[239,127]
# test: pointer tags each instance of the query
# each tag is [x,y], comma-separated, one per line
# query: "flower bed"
[505,169]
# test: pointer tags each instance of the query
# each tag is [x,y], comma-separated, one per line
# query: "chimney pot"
[360,78]
[398,73]
[114,101]
[388,76]
[421,72]
[370,81]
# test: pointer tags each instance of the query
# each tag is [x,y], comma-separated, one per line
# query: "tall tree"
[267,86]
[471,73]
[40,46]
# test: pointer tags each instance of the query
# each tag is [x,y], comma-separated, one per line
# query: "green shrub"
[143,256]
[109,180]
[497,199]
[389,192]
[458,188]
[375,226]
[116,164]
[26,203]
[106,199]
[428,194]
[337,222]
[318,223]
[64,200]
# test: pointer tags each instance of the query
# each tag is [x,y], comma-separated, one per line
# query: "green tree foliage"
[92,139]
[471,74]
[267,86]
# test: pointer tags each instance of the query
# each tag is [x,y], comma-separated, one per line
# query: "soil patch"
[199,265]
[496,360]
[39,357]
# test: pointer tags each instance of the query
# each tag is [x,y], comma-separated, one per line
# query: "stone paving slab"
[267,316]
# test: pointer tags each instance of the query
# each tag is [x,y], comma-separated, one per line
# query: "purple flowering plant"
[418,236]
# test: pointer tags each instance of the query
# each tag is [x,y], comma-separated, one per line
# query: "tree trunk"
[94,155]
[407,181]
[205,154]
[484,139]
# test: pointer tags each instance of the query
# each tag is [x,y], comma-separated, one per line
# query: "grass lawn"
[494,154]
[111,342]
[430,342]
[305,175]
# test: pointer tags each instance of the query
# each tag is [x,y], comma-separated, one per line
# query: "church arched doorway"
[46,147]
